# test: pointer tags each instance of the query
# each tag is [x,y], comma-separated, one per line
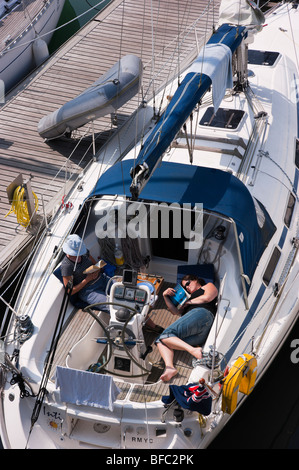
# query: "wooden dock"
[123,27]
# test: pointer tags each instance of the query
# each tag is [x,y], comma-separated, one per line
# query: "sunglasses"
[187,284]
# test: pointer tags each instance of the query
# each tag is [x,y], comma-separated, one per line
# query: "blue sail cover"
[218,191]
[188,94]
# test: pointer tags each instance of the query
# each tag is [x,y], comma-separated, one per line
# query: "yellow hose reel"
[241,378]
[19,206]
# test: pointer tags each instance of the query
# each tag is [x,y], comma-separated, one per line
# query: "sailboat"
[25,31]
[210,189]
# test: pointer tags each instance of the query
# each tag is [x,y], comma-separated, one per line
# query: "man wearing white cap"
[89,281]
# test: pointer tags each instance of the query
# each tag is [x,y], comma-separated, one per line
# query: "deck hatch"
[267,58]
[224,118]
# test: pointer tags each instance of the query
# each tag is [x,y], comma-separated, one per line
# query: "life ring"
[241,378]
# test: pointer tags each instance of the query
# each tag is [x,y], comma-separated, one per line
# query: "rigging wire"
[38,242]
[178,46]
[145,407]
[9,48]
[65,165]
[207,22]
[93,8]
[26,9]
[167,64]
[165,24]
[183,22]
[153,57]
[49,361]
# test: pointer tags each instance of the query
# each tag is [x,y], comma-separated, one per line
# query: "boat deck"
[123,27]
[153,388]
[16,21]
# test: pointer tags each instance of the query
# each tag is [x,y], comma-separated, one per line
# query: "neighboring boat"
[209,193]
[106,95]
[26,29]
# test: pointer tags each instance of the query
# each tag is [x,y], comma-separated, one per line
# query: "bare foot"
[168,374]
[197,352]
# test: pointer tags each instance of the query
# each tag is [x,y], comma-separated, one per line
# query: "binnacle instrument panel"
[132,294]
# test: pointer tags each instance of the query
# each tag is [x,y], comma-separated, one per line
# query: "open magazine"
[180,296]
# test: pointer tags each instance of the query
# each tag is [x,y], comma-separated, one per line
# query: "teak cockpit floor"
[153,388]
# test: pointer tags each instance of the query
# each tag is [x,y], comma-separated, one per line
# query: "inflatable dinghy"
[111,91]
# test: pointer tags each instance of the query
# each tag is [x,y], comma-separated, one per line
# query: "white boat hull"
[254,320]
[18,58]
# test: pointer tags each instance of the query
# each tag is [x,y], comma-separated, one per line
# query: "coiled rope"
[19,206]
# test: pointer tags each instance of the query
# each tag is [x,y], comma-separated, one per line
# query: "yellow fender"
[241,378]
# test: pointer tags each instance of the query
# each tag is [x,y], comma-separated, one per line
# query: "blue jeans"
[94,293]
[193,327]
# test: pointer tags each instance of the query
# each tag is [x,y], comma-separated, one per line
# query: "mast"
[213,66]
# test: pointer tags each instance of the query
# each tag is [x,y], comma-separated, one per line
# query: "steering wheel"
[120,341]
